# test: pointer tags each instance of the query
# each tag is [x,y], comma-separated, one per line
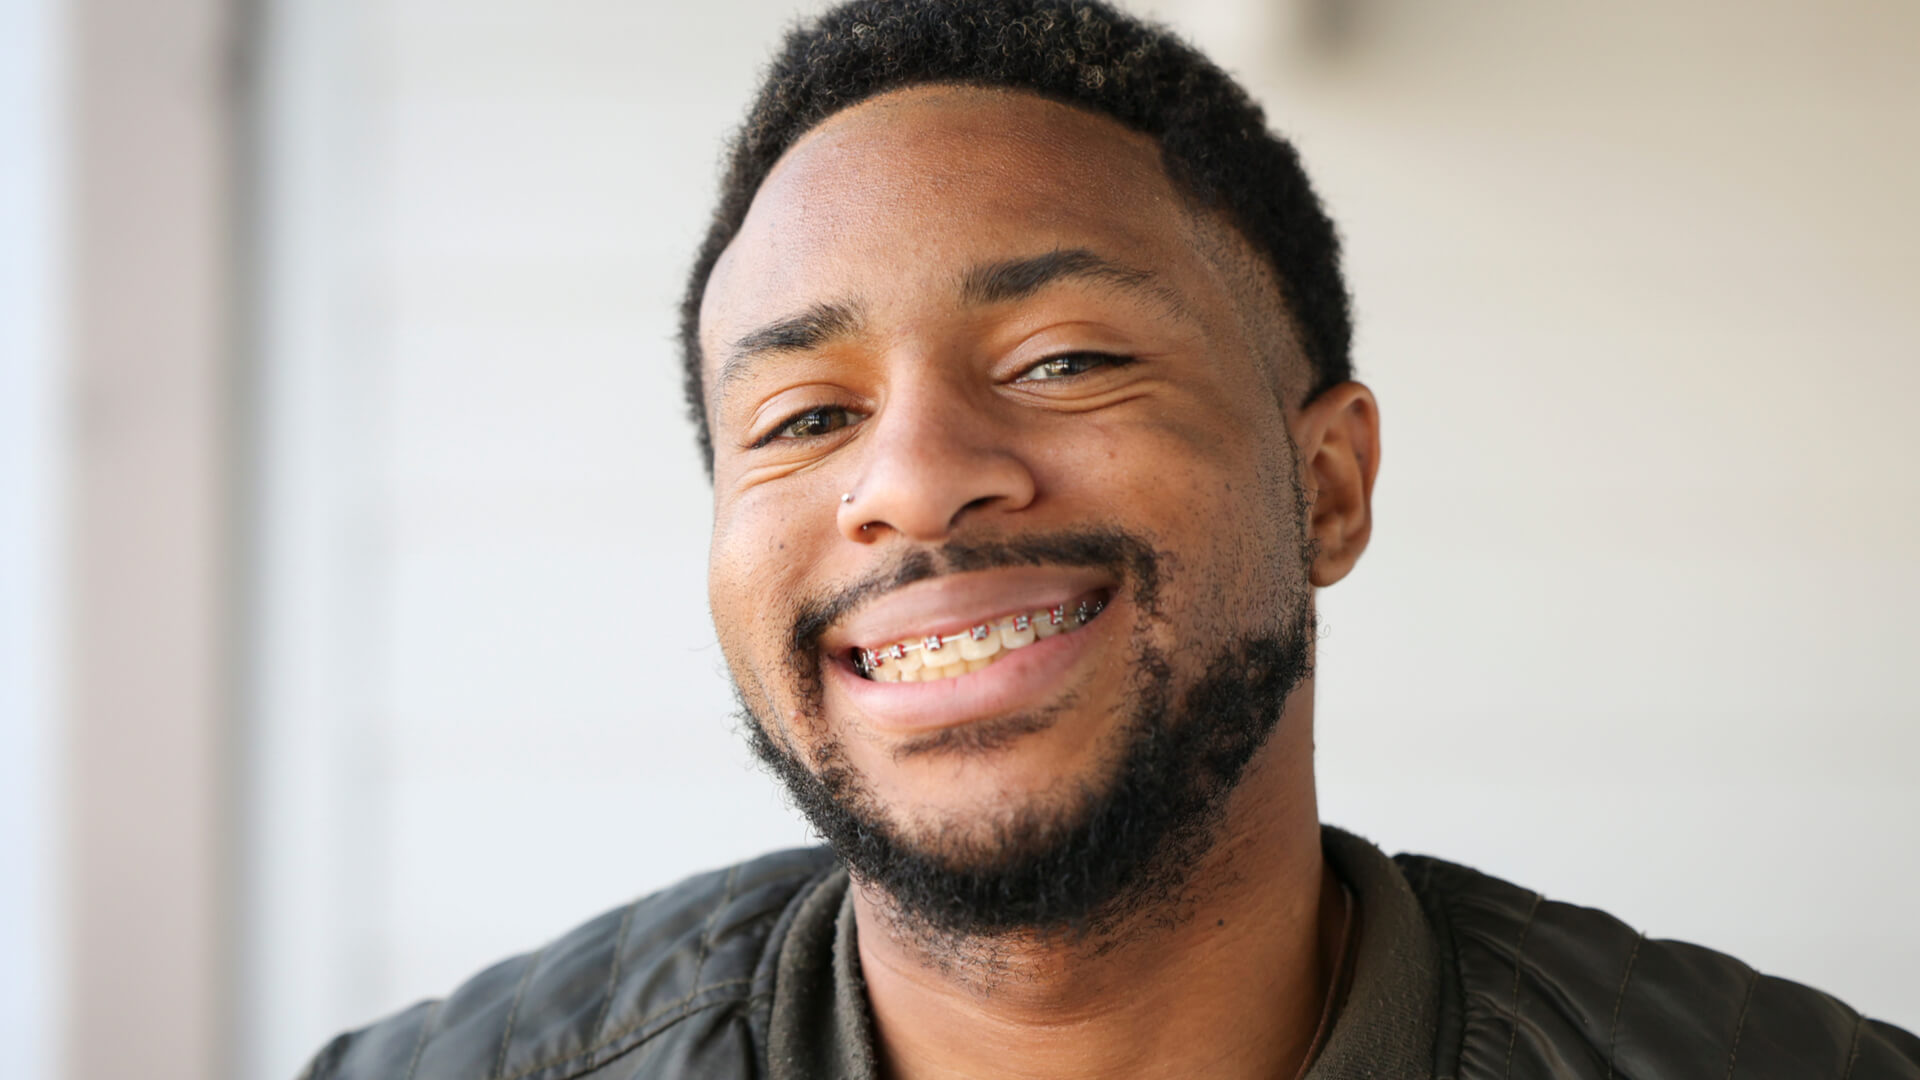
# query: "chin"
[1015,823]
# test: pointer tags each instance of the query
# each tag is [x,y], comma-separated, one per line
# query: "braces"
[866,660]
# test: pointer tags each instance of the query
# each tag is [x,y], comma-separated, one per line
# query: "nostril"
[980,503]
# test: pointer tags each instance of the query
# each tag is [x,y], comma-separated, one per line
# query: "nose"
[930,459]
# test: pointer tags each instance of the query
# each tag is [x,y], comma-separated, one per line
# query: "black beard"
[1127,850]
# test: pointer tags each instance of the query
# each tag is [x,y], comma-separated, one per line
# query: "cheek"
[1192,471]
[1212,492]
[755,575]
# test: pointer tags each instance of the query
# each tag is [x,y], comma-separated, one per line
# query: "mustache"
[1124,554]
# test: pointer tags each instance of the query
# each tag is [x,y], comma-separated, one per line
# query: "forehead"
[886,199]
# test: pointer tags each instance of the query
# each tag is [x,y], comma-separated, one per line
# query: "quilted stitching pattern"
[678,985]
[685,961]
[1553,990]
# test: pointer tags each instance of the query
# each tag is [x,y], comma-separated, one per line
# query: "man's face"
[1046,382]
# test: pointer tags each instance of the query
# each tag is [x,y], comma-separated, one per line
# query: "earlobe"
[1339,458]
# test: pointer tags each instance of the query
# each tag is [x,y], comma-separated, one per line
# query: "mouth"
[959,648]
[934,656]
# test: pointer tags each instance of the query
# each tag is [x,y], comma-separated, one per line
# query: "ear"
[1338,436]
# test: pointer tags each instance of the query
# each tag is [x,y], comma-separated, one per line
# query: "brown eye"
[811,424]
[1067,365]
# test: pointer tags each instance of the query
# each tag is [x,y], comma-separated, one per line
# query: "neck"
[1226,979]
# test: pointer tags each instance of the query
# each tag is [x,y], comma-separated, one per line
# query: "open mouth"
[932,657]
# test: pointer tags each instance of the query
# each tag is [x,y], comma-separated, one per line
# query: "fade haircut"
[1214,142]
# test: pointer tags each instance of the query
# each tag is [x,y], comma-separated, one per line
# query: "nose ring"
[847,497]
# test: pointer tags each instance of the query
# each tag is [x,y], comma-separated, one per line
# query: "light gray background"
[1636,284]
[30,566]
[1635,287]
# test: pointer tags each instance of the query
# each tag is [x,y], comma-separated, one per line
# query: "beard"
[1124,844]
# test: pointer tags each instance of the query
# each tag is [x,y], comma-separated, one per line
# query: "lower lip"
[1023,679]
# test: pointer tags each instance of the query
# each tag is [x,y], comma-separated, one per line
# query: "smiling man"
[1018,349]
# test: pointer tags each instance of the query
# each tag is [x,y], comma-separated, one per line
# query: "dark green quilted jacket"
[681,984]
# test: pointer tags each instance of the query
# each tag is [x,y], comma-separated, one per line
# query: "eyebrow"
[989,283]
[1017,279]
[819,325]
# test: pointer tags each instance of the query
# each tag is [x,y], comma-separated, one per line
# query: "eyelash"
[1104,359]
[1100,359]
[818,410]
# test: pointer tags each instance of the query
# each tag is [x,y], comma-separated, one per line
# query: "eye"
[811,424]
[1067,365]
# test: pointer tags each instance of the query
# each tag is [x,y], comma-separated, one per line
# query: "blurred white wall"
[1637,288]
[31,144]
[483,674]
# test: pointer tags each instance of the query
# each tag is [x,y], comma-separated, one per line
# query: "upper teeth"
[927,658]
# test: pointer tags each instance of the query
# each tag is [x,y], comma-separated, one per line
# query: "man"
[1019,353]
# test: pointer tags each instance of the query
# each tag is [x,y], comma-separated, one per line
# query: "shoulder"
[676,975]
[1543,988]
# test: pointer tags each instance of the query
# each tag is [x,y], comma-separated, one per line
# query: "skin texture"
[926,406]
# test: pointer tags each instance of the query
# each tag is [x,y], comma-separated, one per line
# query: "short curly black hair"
[1214,139]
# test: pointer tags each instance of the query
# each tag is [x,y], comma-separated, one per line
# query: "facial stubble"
[1115,851]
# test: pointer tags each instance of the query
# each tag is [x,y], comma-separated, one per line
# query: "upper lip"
[952,603]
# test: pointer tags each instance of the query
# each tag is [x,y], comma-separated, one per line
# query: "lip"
[953,603]
[1022,681]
